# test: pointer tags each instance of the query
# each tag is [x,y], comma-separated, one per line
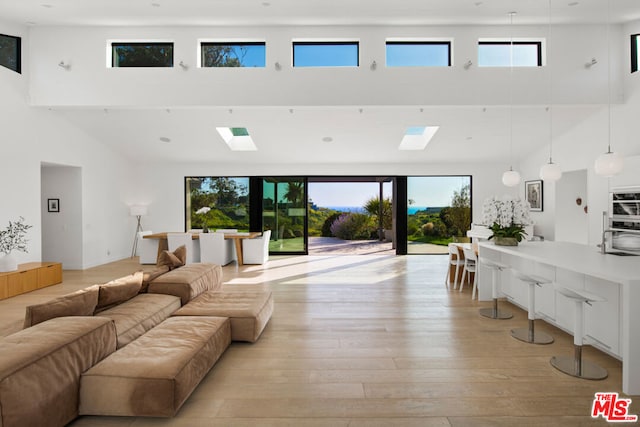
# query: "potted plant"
[12,238]
[507,219]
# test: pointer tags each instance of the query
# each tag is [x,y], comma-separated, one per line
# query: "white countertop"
[575,257]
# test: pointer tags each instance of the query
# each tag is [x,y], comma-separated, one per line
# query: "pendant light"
[609,163]
[511,178]
[550,171]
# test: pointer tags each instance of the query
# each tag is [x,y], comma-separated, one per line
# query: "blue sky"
[425,191]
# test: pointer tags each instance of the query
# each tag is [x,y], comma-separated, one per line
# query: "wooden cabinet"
[29,277]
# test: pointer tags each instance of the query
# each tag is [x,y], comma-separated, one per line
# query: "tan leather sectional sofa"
[136,346]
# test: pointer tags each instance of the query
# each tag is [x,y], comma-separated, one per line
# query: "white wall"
[32,136]
[571,221]
[89,82]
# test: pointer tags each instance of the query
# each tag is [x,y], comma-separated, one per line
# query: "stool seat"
[493,264]
[529,334]
[580,295]
[532,278]
[494,312]
[575,366]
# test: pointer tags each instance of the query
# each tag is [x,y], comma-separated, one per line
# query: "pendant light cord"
[609,74]
[511,92]
[550,90]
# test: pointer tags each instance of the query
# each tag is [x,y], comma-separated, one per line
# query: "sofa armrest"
[40,369]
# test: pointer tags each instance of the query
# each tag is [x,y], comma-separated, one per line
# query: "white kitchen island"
[612,326]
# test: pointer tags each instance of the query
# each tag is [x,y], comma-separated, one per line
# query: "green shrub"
[353,226]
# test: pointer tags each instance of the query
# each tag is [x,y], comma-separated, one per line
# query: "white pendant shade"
[550,172]
[609,164]
[511,178]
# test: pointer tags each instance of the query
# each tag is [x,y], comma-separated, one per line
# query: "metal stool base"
[523,334]
[587,370]
[495,314]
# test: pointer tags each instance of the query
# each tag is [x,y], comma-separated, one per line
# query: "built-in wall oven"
[624,220]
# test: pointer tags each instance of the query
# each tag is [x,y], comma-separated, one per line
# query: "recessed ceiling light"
[238,139]
[327,139]
[165,139]
[417,137]
[48,6]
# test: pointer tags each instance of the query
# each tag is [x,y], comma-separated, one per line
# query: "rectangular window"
[418,54]
[245,54]
[502,53]
[10,53]
[141,54]
[438,212]
[326,54]
[635,39]
[217,202]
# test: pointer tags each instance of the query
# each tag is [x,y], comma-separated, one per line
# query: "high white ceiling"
[299,134]
[311,12]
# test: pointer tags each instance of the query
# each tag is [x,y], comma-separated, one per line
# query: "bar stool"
[528,335]
[575,366]
[493,312]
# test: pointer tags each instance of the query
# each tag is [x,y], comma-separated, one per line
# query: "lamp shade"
[550,172]
[609,164]
[137,210]
[511,178]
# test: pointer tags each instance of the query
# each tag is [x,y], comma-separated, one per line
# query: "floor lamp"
[138,211]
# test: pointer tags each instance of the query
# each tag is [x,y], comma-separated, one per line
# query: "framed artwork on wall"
[53,205]
[533,194]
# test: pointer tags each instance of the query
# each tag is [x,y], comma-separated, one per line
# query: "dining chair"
[454,260]
[256,251]
[147,248]
[470,266]
[215,249]
[175,240]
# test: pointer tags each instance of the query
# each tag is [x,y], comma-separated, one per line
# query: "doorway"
[61,215]
[350,215]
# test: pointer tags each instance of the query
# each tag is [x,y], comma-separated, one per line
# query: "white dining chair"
[470,266]
[147,248]
[175,240]
[455,260]
[256,251]
[215,249]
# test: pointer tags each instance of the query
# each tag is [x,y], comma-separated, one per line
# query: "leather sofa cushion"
[40,369]
[173,259]
[155,374]
[79,303]
[150,276]
[119,290]
[248,312]
[189,281]
[136,316]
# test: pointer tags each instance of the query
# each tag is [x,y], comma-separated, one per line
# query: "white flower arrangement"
[506,217]
[204,211]
[13,238]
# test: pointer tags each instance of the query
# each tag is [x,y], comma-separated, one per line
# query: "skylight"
[238,139]
[417,137]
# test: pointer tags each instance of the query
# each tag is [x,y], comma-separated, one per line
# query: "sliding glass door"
[284,212]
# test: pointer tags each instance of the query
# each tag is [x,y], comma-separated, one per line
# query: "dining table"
[236,237]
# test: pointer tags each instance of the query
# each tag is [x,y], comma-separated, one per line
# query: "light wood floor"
[369,341]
